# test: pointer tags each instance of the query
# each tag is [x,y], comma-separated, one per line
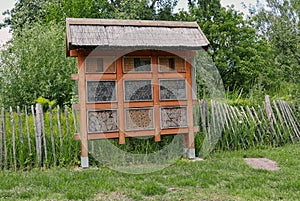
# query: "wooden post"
[60,131]
[1,141]
[20,125]
[13,137]
[4,137]
[41,113]
[52,135]
[38,135]
[121,120]
[83,112]
[27,130]
[67,122]
[156,108]
[190,136]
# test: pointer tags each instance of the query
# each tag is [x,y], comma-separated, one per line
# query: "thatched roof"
[134,34]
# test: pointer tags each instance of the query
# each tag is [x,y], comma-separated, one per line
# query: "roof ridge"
[120,22]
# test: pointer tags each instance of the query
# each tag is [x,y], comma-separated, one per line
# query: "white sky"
[182,4]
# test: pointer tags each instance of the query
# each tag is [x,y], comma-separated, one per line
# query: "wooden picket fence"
[228,127]
[31,137]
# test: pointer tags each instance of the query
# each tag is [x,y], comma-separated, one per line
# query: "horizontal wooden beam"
[140,133]
[74,77]
[100,76]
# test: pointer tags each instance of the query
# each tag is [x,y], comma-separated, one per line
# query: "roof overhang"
[112,34]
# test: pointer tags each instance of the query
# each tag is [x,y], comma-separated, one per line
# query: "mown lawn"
[222,176]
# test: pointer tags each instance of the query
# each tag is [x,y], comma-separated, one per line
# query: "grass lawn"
[222,176]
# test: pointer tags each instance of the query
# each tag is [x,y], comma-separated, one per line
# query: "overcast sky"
[182,4]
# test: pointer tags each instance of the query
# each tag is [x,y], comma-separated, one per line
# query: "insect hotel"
[135,79]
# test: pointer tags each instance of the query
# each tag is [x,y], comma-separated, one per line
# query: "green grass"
[222,176]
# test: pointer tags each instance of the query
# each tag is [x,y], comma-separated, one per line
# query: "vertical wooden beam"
[155,82]
[83,112]
[190,136]
[120,98]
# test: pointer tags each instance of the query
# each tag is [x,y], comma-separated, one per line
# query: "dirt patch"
[113,196]
[262,163]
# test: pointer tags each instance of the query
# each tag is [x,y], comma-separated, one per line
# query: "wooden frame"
[176,107]
[137,109]
[121,104]
[178,79]
[136,57]
[103,110]
[137,100]
[108,101]
[173,70]
[105,62]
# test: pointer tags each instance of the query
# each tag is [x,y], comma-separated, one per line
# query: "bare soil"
[262,163]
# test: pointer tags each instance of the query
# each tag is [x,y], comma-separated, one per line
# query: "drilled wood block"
[173,117]
[136,64]
[102,121]
[100,65]
[171,64]
[139,119]
[101,91]
[173,89]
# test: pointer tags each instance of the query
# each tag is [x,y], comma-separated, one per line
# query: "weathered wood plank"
[28,131]
[60,129]
[13,137]
[52,135]
[38,135]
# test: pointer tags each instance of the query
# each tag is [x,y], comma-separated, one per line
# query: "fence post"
[1,141]
[13,137]
[60,129]
[27,130]
[52,134]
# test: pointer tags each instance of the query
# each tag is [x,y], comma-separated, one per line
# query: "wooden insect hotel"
[135,79]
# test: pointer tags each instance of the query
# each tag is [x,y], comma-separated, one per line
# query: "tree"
[239,55]
[279,24]
[24,12]
[31,11]
[34,64]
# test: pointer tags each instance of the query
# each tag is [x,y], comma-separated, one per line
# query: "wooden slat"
[73,53]
[173,103]
[102,76]
[173,75]
[138,104]
[143,133]
[173,131]
[136,76]
[52,134]
[99,106]
[74,77]
[98,136]
[140,133]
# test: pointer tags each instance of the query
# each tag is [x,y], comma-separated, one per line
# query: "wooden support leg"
[84,154]
[189,145]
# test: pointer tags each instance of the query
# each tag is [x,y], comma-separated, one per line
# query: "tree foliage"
[279,24]
[261,52]
[239,55]
[34,65]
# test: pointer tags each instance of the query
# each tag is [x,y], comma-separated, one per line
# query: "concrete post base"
[84,162]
